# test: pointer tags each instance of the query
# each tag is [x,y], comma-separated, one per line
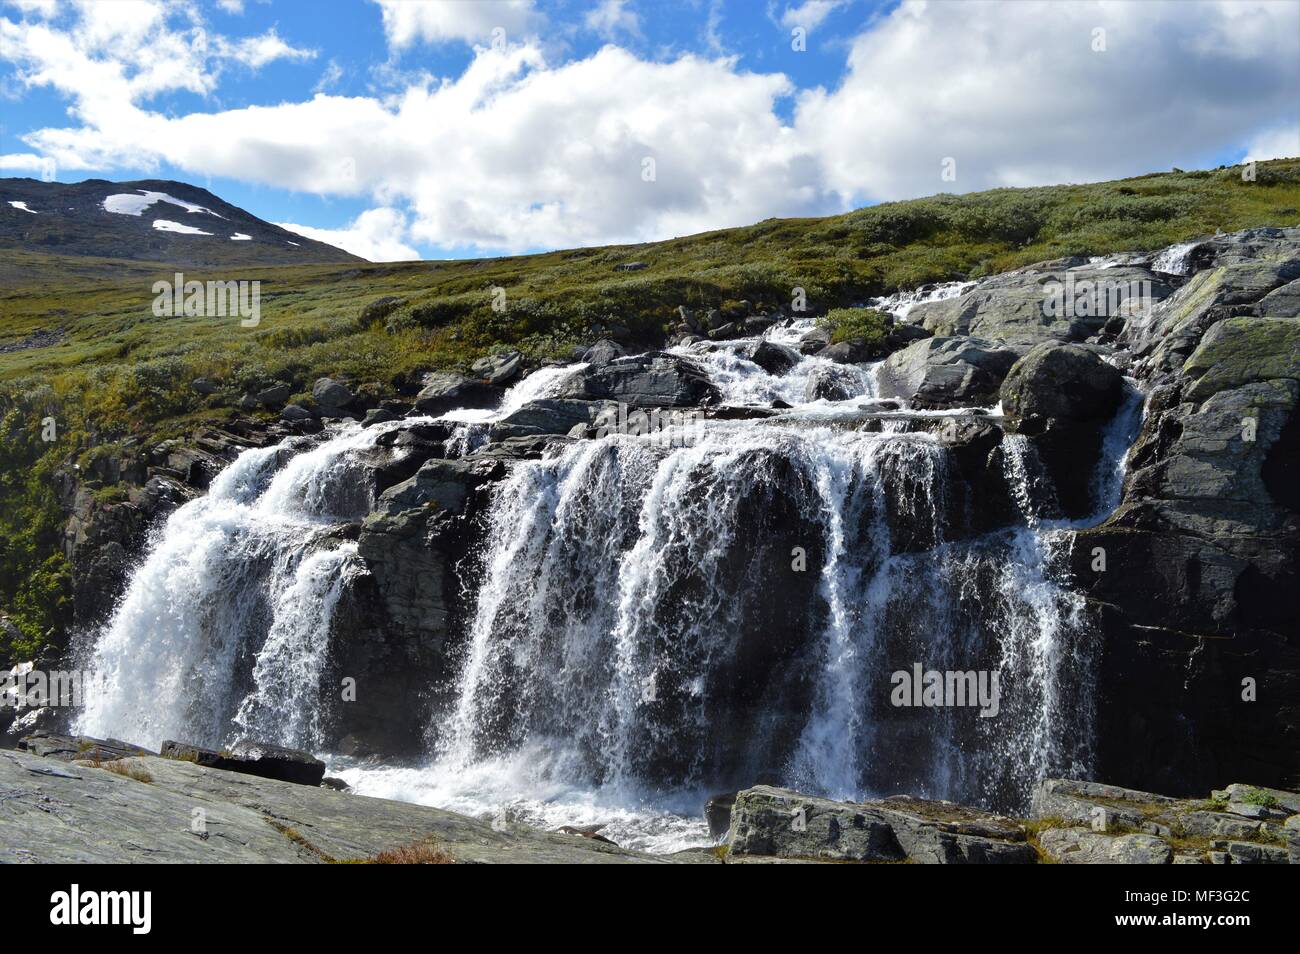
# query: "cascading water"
[223,627]
[651,622]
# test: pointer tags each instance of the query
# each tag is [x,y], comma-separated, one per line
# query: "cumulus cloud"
[523,152]
[809,14]
[1018,95]
[1282,142]
[374,234]
[611,17]
[467,21]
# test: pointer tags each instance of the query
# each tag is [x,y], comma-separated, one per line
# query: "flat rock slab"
[56,812]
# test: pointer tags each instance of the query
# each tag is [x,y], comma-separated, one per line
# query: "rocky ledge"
[96,801]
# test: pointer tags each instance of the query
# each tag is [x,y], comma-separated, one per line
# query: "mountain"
[154,220]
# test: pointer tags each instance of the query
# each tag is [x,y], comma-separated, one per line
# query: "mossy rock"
[1240,351]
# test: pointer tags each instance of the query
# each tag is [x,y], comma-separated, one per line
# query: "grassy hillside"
[92,355]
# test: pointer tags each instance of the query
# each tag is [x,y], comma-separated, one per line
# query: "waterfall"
[222,628]
[650,621]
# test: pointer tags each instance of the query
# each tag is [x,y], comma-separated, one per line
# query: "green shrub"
[855,324]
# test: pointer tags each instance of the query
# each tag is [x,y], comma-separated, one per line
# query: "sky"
[403,129]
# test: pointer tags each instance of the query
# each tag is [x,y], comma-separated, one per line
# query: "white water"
[249,566]
[1175,260]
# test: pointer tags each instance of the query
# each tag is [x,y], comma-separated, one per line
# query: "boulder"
[295,412]
[378,415]
[1060,382]
[445,391]
[1044,303]
[548,416]
[773,358]
[814,341]
[331,394]
[274,396]
[500,368]
[603,352]
[652,379]
[204,386]
[1071,846]
[827,382]
[943,372]
[252,758]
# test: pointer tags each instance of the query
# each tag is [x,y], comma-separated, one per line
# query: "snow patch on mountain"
[166,225]
[131,203]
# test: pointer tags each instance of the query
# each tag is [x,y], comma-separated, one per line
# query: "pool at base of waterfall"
[514,790]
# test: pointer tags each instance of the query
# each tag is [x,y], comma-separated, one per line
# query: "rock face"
[1091,823]
[144,811]
[1017,307]
[444,391]
[393,625]
[775,822]
[947,371]
[653,379]
[1195,604]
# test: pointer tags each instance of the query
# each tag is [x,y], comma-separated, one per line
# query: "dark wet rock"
[378,415]
[264,761]
[786,824]
[947,372]
[652,379]
[445,391]
[775,359]
[295,412]
[717,812]
[548,416]
[1060,382]
[814,341]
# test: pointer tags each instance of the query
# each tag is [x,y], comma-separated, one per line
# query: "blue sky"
[446,128]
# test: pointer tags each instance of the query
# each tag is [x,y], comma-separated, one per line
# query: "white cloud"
[407,22]
[374,234]
[611,17]
[256,51]
[519,152]
[1280,143]
[1017,96]
[810,13]
[233,7]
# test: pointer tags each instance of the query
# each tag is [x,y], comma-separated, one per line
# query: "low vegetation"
[111,375]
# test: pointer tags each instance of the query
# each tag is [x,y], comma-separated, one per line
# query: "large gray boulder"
[331,394]
[1019,307]
[548,416]
[500,368]
[946,371]
[776,822]
[653,379]
[445,391]
[1060,396]
[1060,382]
[253,758]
